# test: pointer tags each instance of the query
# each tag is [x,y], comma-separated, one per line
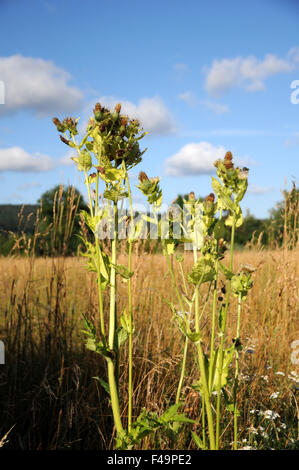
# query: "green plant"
[200,227]
[112,140]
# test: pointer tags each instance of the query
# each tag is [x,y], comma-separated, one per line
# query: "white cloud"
[17,159]
[37,85]
[249,72]
[194,159]
[152,113]
[253,189]
[189,98]
[217,108]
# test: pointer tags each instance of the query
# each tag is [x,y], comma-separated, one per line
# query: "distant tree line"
[53,226]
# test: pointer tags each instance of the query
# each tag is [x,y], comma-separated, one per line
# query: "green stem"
[236,376]
[98,257]
[182,371]
[206,393]
[130,379]
[112,365]
[114,396]
[223,335]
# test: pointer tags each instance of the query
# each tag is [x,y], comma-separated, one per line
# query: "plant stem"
[208,406]
[236,376]
[98,257]
[112,366]
[114,395]
[223,335]
[130,384]
[182,371]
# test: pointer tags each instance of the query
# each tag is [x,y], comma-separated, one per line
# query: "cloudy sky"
[203,78]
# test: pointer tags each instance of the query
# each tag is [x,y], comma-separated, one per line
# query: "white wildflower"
[269,414]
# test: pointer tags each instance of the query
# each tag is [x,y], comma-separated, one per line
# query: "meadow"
[152,346]
[48,396]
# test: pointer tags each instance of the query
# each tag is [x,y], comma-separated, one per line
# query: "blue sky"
[203,78]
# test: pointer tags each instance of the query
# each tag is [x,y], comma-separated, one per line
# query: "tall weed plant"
[105,154]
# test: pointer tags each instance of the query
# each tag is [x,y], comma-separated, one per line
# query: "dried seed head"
[102,127]
[65,141]
[118,107]
[124,121]
[228,164]
[143,176]
[93,175]
[100,169]
[191,196]
[56,121]
[135,122]
[210,197]
[97,107]
[228,156]
[120,153]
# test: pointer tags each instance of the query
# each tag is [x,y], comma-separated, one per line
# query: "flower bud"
[210,197]
[143,176]
[124,121]
[98,112]
[228,156]
[59,126]
[100,169]
[228,164]
[117,108]
[65,141]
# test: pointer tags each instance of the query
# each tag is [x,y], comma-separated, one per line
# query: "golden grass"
[46,386]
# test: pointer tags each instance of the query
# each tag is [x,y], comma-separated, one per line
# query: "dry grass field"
[47,392]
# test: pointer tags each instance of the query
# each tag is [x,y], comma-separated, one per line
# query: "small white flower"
[265,377]
[252,430]
[269,414]
[274,395]
[280,373]
[248,448]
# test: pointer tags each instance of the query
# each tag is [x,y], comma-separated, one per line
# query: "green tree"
[61,208]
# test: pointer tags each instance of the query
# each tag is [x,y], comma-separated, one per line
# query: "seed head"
[102,127]
[143,176]
[191,196]
[118,108]
[210,197]
[56,121]
[65,141]
[228,164]
[228,156]
[100,169]
[124,121]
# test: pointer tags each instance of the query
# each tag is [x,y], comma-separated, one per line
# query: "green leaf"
[122,336]
[104,384]
[232,409]
[227,272]
[198,441]
[202,271]
[169,246]
[84,161]
[122,271]
[111,194]
[112,174]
